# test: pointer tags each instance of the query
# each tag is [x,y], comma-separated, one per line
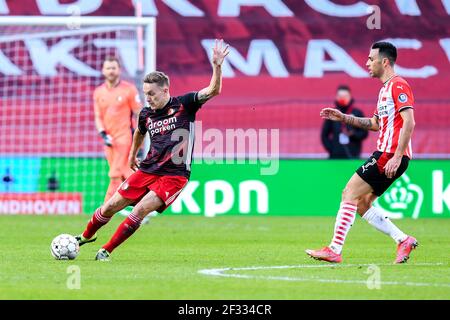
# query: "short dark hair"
[386,50]
[111,59]
[343,87]
[158,77]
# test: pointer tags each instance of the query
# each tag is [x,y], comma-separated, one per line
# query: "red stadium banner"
[287,58]
[48,203]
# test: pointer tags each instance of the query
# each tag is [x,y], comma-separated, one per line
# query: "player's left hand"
[133,162]
[219,52]
[332,114]
[391,167]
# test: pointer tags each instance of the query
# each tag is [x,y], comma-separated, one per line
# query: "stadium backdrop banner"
[300,187]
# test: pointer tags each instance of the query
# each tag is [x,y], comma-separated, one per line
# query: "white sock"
[344,221]
[376,218]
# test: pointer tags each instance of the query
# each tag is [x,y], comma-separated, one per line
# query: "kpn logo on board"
[221,197]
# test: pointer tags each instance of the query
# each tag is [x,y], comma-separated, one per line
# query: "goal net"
[51,158]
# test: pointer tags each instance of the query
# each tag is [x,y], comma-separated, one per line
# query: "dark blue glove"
[106,138]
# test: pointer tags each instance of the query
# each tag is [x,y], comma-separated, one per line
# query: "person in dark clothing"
[341,140]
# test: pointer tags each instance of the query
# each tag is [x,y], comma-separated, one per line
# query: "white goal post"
[49,67]
[77,23]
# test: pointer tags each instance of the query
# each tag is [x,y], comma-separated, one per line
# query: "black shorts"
[372,171]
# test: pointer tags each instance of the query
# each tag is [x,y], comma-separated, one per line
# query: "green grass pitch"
[163,259]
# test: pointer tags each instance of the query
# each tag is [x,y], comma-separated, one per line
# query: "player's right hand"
[133,162]
[332,114]
[107,140]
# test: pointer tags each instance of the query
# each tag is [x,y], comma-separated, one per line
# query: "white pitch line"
[220,273]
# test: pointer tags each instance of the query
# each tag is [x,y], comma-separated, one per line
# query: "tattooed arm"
[219,54]
[363,123]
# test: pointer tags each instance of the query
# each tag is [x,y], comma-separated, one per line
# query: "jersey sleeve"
[142,121]
[403,97]
[190,102]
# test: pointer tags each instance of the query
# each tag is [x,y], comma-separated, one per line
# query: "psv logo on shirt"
[402,97]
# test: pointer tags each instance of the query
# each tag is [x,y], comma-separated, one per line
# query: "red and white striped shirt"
[394,97]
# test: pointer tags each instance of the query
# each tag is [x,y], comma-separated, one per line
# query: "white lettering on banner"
[212,207]
[315,63]
[4,7]
[329,8]
[445,44]
[261,50]
[359,9]
[424,72]
[232,8]
[408,7]
[7,67]
[127,49]
[186,197]
[262,196]
[40,207]
[54,7]
[440,195]
[182,7]
[57,54]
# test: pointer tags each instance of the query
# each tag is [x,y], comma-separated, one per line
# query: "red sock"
[123,232]
[97,221]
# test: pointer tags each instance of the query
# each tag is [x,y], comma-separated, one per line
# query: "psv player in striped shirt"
[394,119]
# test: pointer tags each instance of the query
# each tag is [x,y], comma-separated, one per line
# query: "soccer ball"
[65,247]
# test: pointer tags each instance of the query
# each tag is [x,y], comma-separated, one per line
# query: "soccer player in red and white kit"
[394,119]
[162,175]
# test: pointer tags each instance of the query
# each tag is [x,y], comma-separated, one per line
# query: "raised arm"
[219,54]
[363,123]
